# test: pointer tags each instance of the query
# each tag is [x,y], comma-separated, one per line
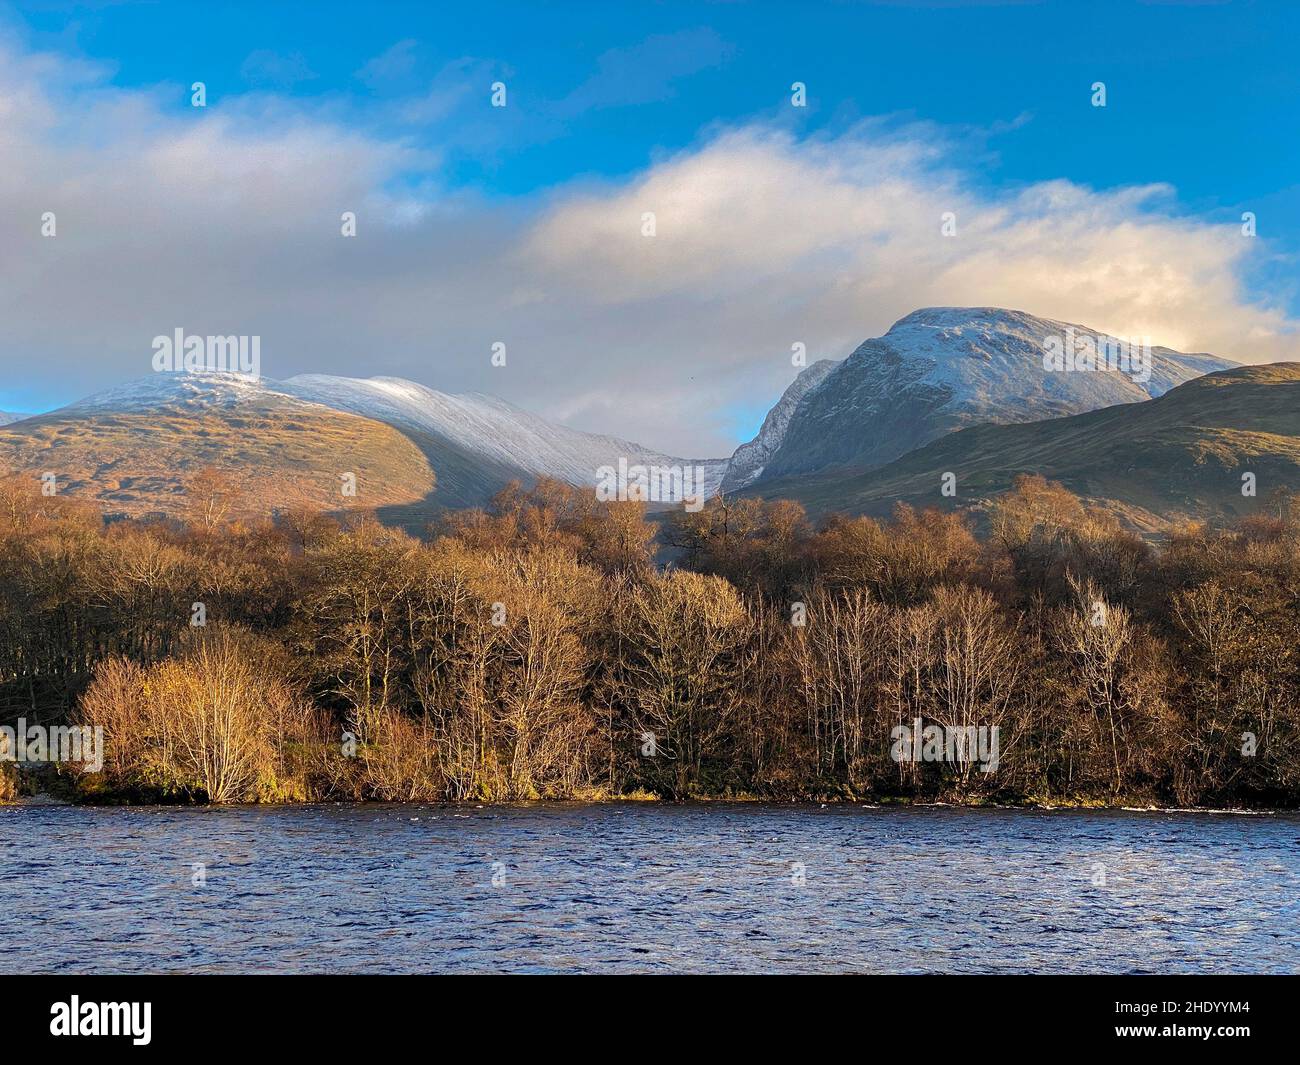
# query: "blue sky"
[1201,95]
[603,98]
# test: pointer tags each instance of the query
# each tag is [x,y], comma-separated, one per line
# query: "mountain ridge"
[132,446]
[1178,457]
[939,369]
[749,460]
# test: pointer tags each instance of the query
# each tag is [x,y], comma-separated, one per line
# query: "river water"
[639,887]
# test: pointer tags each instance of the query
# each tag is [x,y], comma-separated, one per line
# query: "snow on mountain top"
[488,427]
[514,440]
[992,358]
[947,366]
[940,369]
[204,387]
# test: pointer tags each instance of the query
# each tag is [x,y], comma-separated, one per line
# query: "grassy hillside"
[280,452]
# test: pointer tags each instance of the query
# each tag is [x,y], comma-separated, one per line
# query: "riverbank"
[71,796]
[512,656]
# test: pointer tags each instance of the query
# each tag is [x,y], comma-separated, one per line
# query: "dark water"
[639,887]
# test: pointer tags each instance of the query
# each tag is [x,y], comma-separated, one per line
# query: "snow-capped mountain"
[415,449]
[475,444]
[1152,466]
[490,428]
[196,390]
[749,460]
[943,368]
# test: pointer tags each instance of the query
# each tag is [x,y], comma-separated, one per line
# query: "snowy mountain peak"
[964,317]
[488,428]
[476,443]
[1003,354]
[202,387]
[936,370]
[942,368]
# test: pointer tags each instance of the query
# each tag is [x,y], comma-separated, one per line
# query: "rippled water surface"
[639,887]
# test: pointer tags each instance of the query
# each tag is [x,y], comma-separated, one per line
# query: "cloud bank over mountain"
[226,220]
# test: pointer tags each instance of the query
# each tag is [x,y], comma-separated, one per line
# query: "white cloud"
[228,221]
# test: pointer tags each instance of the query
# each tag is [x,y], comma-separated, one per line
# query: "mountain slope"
[1177,457]
[936,371]
[133,448]
[944,368]
[749,460]
[413,450]
[488,429]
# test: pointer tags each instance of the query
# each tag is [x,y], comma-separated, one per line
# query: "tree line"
[552,646]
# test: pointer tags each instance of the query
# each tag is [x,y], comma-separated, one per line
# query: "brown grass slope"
[280,453]
[1154,464]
